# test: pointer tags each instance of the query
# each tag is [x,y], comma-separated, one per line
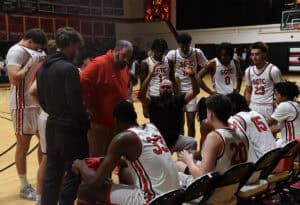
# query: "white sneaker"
[27,192]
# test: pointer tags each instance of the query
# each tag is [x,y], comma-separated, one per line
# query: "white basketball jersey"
[256,128]
[262,82]
[161,73]
[224,77]
[194,58]
[235,149]
[154,170]
[288,114]
[19,94]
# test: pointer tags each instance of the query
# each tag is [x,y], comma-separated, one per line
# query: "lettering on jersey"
[259,86]
[159,143]
[259,81]
[227,71]
[161,70]
[239,153]
[259,124]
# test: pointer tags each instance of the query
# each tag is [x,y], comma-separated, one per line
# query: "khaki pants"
[99,138]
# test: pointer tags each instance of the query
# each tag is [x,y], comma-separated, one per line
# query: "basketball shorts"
[125,194]
[25,121]
[42,121]
[265,110]
[191,106]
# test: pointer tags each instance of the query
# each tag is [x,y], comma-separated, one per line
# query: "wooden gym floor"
[9,182]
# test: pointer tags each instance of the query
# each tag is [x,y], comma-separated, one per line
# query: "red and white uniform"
[24,109]
[262,82]
[194,58]
[256,128]
[288,114]
[224,77]
[154,171]
[161,73]
[236,148]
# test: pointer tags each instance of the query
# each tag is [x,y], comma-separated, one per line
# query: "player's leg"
[184,143]
[42,168]
[191,109]
[110,194]
[190,118]
[40,179]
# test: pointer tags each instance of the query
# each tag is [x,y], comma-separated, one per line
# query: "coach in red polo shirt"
[105,82]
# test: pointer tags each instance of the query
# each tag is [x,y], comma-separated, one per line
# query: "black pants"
[64,144]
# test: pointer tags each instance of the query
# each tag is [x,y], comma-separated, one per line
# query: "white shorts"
[25,121]
[126,195]
[191,106]
[42,121]
[265,110]
[185,179]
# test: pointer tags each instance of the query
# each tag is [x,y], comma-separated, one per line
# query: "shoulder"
[171,54]
[274,69]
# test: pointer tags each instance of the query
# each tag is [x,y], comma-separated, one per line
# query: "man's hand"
[186,157]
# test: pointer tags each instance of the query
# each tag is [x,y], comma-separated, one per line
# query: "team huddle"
[83,114]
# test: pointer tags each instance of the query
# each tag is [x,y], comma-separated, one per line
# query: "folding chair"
[227,184]
[174,197]
[285,168]
[202,186]
[255,183]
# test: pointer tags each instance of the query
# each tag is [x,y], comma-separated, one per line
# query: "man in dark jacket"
[59,94]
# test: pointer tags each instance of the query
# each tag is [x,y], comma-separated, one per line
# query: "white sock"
[23,179]
[38,198]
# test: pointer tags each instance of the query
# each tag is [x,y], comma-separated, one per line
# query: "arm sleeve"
[284,112]
[88,80]
[276,75]
[16,57]
[201,58]
[74,97]
[247,77]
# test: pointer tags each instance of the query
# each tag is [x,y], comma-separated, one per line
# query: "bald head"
[166,88]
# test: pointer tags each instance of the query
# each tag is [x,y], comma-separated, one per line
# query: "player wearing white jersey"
[150,165]
[178,59]
[21,58]
[260,80]
[252,124]
[287,112]
[158,62]
[222,148]
[223,71]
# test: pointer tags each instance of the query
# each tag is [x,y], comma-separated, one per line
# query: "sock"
[38,199]
[23,179]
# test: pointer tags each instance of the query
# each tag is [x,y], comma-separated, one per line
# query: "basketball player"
[21,58]
[222,148]
[253,124]
[260,79]
[157,62]
[150,164]
[223,71]
[287,112]
[178,60]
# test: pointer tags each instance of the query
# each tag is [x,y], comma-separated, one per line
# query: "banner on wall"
[157,10]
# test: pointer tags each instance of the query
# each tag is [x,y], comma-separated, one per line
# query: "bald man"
[166,111]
